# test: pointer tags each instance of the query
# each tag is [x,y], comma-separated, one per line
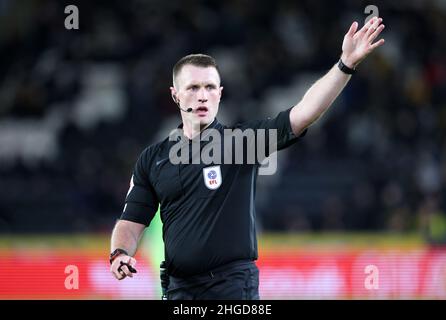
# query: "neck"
[192,129]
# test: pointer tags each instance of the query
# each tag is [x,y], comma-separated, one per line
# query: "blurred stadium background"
[365,186]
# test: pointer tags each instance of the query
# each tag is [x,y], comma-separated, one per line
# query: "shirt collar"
[214,124]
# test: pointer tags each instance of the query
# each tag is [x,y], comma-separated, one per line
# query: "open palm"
[358,44]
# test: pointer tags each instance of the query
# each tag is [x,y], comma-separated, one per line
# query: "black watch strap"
[344,68]
[116,253]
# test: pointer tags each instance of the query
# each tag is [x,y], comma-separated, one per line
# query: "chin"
[205,121]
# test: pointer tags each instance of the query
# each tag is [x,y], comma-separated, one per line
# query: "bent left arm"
[355,47]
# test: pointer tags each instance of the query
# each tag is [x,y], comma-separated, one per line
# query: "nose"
[202,96]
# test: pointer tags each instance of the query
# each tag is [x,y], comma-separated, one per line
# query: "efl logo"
[212,177]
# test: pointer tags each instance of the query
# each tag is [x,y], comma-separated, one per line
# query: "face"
[198,88]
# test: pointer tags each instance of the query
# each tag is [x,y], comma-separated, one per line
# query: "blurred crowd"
[78,106]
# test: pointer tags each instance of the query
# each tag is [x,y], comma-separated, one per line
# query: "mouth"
[202,111]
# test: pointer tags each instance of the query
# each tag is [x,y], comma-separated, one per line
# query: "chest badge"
[212,177]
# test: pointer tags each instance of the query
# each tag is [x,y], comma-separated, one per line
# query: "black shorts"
[238,280]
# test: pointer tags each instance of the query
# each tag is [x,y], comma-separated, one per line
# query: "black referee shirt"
[204,225]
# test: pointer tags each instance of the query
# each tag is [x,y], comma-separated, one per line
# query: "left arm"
[356,46]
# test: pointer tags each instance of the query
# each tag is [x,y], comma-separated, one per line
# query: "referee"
[208,210]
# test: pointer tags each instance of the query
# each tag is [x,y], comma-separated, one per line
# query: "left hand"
[357,45]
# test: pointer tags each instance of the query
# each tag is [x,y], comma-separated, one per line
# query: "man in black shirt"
[207,207]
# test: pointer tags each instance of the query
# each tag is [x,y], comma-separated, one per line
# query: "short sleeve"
[282,126]
[141,202]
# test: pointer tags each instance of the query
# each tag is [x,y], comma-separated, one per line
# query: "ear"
[173,93]
[221,92]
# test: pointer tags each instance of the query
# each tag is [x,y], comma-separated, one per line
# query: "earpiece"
[177,101]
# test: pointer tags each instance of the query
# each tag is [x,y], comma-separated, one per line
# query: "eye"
[193,88]
[210,87]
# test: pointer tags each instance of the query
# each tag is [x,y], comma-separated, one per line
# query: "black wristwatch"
[117,253]
[344,68]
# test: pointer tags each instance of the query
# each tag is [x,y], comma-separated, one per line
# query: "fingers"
[365,27]
[124,270]
[120,271]
[373,27]
[118,274]
[377,44]
[352,29]
[121,275]
[131,261]
[376,33]
[114,270]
